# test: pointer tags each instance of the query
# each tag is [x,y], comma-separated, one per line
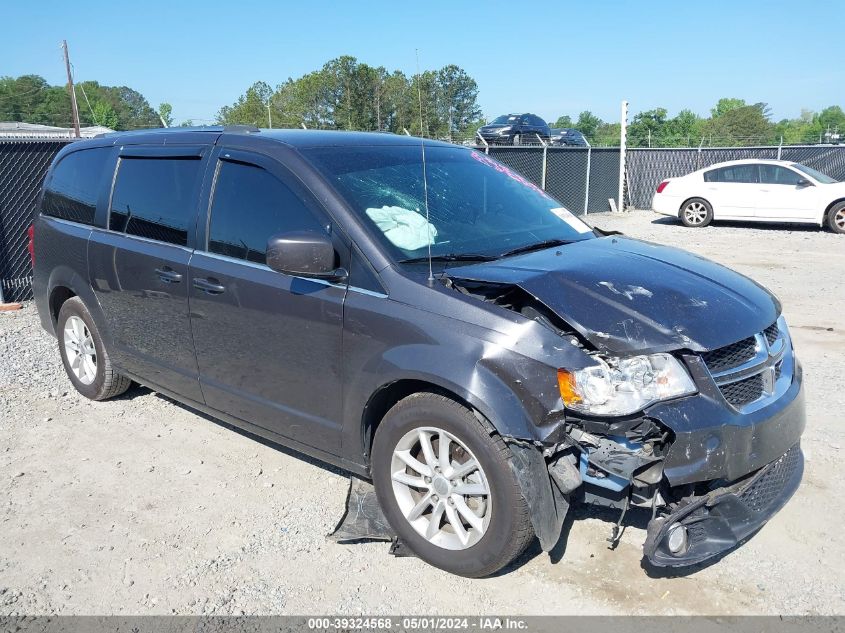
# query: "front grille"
[744,391]
[766,488]
[772,333]
[730,355]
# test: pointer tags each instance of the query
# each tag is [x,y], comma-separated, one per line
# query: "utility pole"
[72,91]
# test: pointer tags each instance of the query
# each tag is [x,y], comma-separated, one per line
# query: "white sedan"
[754,190]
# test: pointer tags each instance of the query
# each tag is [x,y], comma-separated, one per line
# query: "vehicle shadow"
[738,224]
[137,390]
[635,517]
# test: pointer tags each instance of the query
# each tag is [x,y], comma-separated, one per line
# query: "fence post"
[623,139]
[486,144]
[587,189]
[545,163]
[780,147]
[698,155]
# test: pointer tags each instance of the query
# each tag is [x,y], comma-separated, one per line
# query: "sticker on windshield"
[571,220]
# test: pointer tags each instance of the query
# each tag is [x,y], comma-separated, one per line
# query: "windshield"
[814,173]
[505,118]
[477,207]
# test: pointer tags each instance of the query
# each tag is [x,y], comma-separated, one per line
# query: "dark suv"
[515,129]
[431,321]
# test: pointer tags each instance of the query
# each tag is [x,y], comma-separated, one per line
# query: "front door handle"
[168,275]
[209,286]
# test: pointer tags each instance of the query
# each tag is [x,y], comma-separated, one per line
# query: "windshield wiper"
[451,257]
[536,247]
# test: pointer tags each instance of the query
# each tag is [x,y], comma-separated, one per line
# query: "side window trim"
[278,170]
[197,152]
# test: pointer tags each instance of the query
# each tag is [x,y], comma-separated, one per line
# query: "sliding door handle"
[168,275]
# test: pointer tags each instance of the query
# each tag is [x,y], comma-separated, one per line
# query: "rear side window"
[249,206]
[75,185]
[155,198]
[734,174]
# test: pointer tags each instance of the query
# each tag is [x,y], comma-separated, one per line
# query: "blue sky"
[550,58]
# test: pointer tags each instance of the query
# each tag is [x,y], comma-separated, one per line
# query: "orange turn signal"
[568,389]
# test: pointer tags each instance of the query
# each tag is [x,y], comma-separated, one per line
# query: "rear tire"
[467,520]
[836,218]
[84,356]
[696,212]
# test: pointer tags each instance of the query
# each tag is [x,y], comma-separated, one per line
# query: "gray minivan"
[426,318]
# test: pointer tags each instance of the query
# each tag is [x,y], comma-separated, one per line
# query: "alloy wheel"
[80,350]
[695,213]
[441,488]
[839,219]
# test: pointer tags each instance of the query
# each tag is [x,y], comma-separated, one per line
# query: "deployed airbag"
[405,228]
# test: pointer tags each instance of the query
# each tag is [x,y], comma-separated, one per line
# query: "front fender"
[507,378]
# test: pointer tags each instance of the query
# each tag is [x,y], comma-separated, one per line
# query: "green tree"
[647,128]
[683,130]
[564,121]
[250,108]
[457,100]
[742,125]
[104,115]
[725,105]
[350,95]
[165,112]
[587,123]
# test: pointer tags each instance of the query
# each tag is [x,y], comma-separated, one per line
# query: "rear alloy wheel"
[83,355]
[80,351]
[696,212]
[446,486]
[836,218]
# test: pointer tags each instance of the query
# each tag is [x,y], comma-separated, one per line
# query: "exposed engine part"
[517,300]
[613,462]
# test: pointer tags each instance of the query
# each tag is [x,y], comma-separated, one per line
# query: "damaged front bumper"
[701,527]
[718,478]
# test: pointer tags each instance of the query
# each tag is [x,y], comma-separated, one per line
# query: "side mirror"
[304,254]
[803,182]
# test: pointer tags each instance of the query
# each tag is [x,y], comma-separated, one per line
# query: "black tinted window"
[155,198]
[75,185]
[775,175]
[249,206]
[736,173]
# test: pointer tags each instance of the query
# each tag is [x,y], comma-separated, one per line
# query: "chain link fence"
[646,168]
[582,178]
[23,165]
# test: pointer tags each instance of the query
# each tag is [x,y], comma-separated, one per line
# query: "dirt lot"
[140,506]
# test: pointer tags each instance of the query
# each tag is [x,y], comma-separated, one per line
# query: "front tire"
[84,356]
[446,487]
[696,212]
[836,218]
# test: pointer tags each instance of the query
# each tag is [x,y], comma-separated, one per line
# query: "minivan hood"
[626,296]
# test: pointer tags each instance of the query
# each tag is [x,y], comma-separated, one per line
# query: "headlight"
[504,130]
[620,386]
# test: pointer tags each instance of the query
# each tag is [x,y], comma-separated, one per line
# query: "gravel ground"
[142,506]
